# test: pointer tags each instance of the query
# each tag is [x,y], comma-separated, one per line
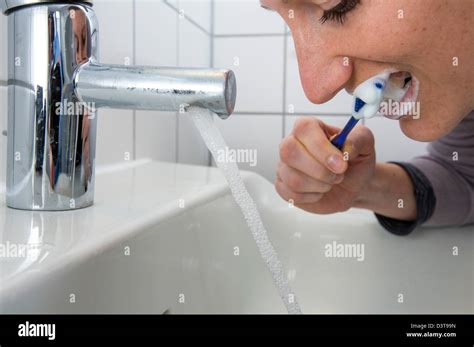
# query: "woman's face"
[432,40]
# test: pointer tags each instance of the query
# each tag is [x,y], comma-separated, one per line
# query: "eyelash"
[338,13]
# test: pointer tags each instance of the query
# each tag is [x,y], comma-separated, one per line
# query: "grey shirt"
[443,181]
[449,167]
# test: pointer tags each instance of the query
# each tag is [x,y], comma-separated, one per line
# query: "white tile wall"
[162,38]
[3,139]
[390,143]
[156,44]
[245,17]
[194,47]
[156,33]
[115,30]
[3,48]
[258,65]
[156,135]
[194,51]
[114,127]
[3,98]
[262,134]
[114,136]
[199,11]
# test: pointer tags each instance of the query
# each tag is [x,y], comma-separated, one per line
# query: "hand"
[316,175]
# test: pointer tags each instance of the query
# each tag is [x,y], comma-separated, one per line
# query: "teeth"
[394,92]
[397,85]
[400,75]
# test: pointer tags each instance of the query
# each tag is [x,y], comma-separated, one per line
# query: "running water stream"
[203,120]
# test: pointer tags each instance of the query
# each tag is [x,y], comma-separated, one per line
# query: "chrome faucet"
[55,85]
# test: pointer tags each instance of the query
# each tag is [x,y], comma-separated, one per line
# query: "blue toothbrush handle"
[341,138]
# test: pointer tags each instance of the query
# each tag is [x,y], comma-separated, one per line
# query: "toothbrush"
[367,99]
[341,138]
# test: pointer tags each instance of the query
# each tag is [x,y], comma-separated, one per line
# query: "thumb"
[360,143]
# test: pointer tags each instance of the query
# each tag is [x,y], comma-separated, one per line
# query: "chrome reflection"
[55,83]
[51,154]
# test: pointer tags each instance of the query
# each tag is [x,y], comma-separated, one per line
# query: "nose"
[323,70]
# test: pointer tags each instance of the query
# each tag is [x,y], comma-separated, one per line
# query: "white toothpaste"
[371,92]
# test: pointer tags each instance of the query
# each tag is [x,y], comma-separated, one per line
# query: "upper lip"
[350,89]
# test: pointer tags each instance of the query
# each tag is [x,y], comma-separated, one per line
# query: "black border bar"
[383,328]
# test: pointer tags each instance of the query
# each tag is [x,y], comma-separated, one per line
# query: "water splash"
[203,120]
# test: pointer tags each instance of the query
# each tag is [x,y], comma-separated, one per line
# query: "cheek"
[386,31]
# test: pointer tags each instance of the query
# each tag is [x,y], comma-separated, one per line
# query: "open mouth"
[397,86]
[401,92]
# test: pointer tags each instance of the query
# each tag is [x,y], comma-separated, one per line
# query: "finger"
[297,198]
[299,182]
[295,155]
[360,143]
[314,136]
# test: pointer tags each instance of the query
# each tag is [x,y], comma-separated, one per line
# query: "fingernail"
[336,163]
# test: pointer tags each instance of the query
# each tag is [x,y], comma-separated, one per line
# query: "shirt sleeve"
[425,203]
[448,169]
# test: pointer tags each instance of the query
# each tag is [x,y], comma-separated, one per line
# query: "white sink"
[76,261]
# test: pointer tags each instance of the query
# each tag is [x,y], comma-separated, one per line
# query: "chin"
[421,130]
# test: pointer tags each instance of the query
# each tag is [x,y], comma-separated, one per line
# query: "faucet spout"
[55,85]
[156,88]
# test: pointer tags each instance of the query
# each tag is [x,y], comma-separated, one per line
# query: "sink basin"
[165,237]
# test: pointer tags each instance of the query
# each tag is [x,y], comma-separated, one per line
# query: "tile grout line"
[225,36]
[178,63]
[211,59]
[212,34]
[285,62]
[189,19]
[192,21]
[134,57]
